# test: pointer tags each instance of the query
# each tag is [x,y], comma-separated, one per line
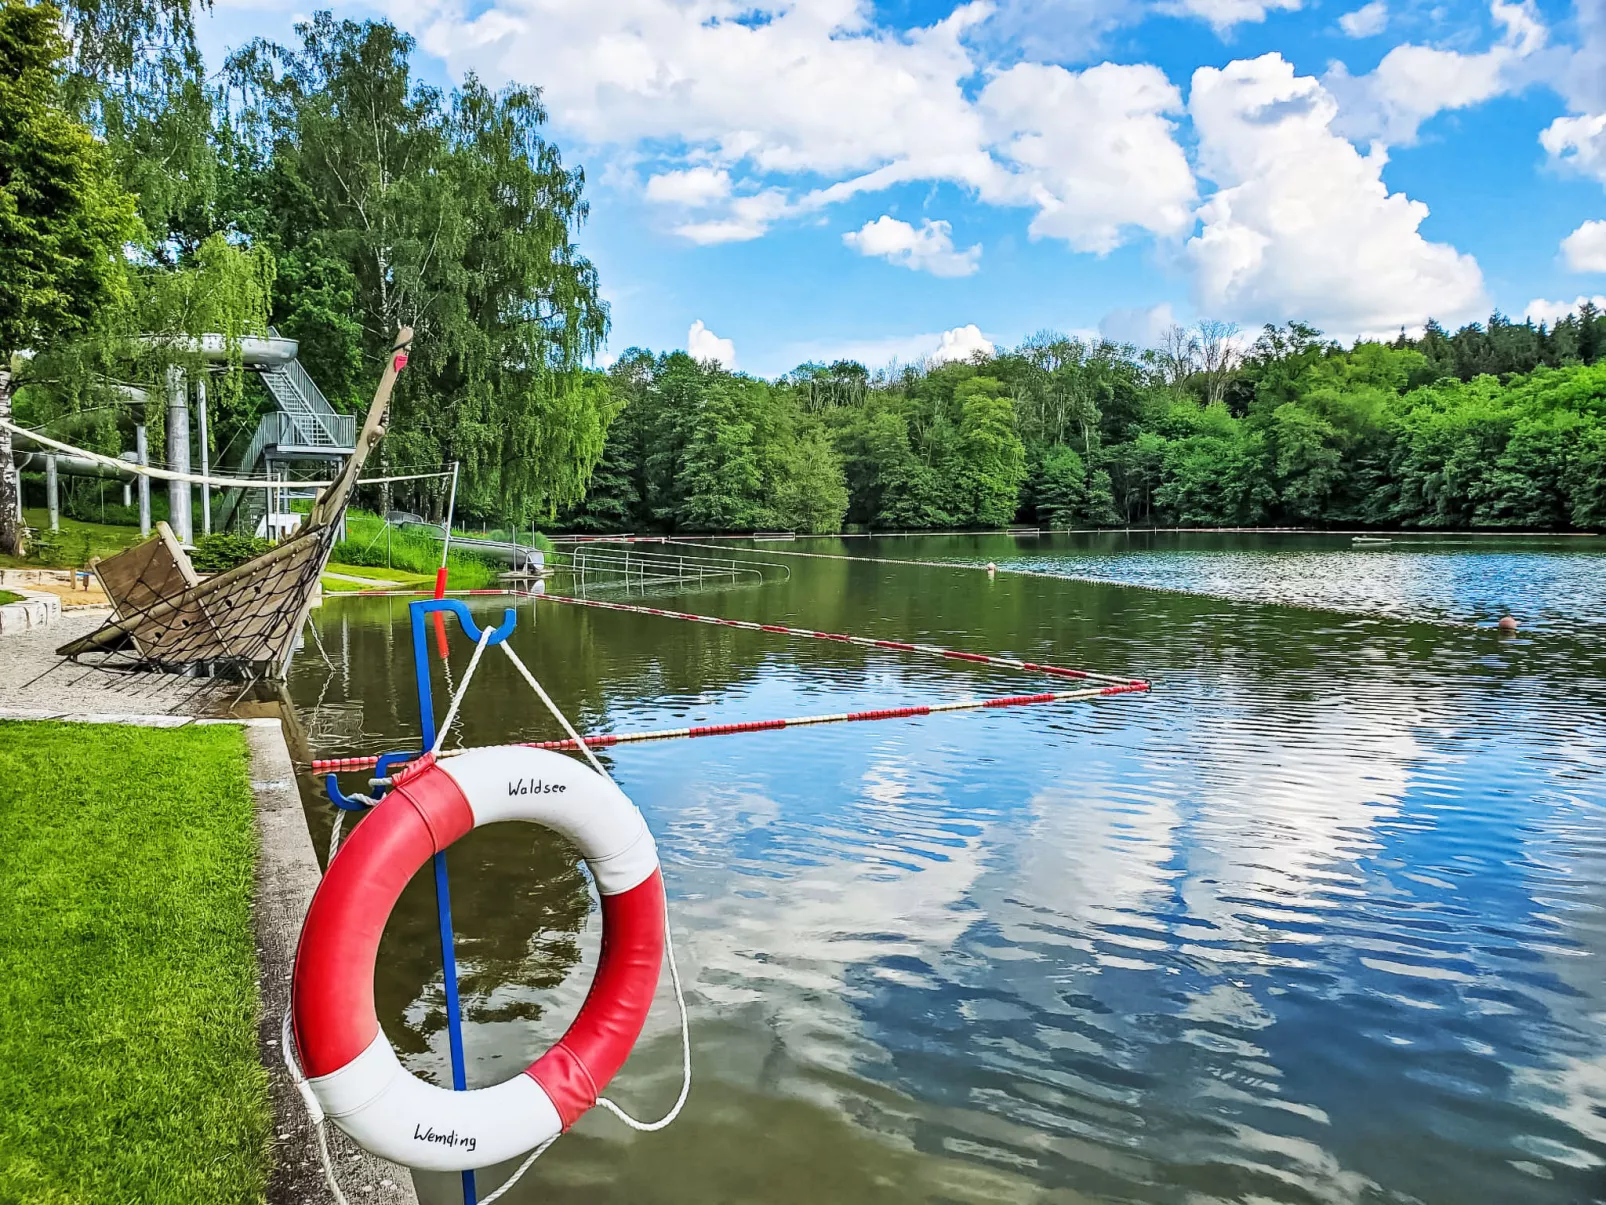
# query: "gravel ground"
[37,684]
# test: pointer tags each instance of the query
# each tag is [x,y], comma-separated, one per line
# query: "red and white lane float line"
[329,765]
[901,646]
[882,713]
[1117,686]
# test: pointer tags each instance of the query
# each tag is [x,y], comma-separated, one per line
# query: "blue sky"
[774,183]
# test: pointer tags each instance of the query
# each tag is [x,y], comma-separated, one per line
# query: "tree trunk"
[13,534]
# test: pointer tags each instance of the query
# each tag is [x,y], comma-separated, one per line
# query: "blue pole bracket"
[359,803]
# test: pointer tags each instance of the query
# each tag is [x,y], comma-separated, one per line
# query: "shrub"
[223,550]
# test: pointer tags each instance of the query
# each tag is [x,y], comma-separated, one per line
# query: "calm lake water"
[1322,919]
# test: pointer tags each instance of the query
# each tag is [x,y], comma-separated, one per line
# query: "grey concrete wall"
[34,611]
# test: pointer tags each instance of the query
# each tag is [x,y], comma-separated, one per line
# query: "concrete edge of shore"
[35,610]
[287,875]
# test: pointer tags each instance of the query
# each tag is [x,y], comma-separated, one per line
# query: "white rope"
[553,708]
[457,696]
[334,834]
[685,1047]
[669,937]
[314,1111]
[248,483]
[523,1167]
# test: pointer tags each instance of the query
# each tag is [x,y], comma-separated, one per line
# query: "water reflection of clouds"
[1283,803]
[888,892]
[1241,939]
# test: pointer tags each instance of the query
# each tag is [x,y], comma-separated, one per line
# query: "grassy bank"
[128,1060]
[9,596]
[73,545]
[398,579]
[369,545]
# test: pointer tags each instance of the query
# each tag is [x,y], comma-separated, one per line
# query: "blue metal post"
[454,1015]
[443,894]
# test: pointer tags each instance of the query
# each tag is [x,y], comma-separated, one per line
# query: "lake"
[1320,919]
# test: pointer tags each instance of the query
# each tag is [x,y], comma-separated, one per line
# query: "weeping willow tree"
[62,217]
[392,203]
[129,75]
[95,386]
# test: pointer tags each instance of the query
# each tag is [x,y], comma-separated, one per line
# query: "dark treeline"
[322,189]
[1497,425]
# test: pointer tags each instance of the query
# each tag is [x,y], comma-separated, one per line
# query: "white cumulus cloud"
[693,187]
[1412,83]
[962,343]
[1139,327]
[704,344]
[1302,225]
[1094,151]
[927,249]
[819,91]
[1367,21]
[1578,143]
[1548,312]
[1224,14]
[1584,250]
[747,218]
[1584,82]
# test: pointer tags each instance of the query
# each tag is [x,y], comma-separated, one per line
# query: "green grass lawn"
[8,596]
[472,576]
[333,585]
[410,550]
[74,544]
[128,999]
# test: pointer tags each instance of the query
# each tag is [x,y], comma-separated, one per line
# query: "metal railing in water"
[603,568]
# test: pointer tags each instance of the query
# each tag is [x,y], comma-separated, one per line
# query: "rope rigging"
[160,474]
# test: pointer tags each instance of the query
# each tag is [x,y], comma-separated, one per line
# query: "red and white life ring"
[350,1065]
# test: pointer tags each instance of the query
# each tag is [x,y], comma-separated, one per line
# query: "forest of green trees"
[1497,425]
[324,190]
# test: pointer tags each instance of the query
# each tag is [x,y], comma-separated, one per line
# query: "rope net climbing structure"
[243,622]
[240,624]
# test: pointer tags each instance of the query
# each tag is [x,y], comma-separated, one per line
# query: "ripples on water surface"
[1319,920]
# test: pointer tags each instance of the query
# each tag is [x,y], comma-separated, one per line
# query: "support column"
[142,450]
[270,498]
[206,456]
[178,456]
[52,493]
[334,471]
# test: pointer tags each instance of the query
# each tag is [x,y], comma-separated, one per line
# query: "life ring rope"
[562,1077]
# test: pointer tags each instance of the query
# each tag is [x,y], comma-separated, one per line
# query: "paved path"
[37,684]
[368,581]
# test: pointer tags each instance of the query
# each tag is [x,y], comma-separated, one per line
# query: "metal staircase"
[304,427]
[315,424]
